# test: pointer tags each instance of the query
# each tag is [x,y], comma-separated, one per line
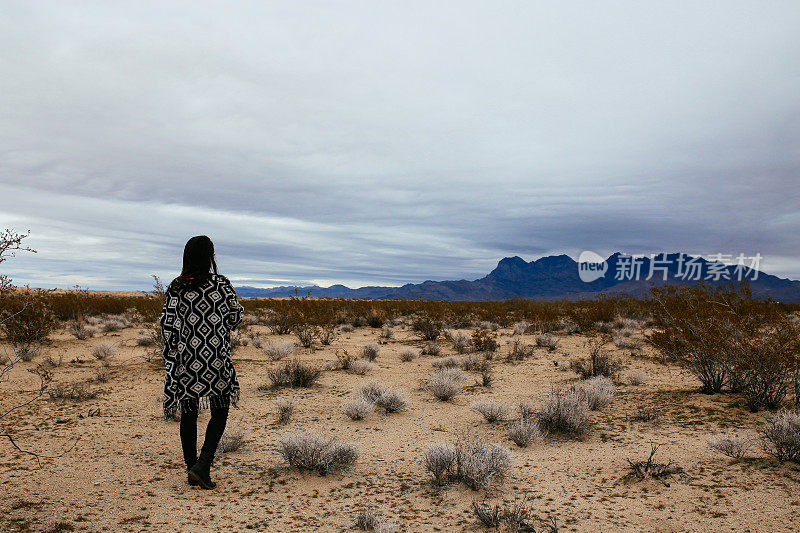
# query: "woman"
[200,310]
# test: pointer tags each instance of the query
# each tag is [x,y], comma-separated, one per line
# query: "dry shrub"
[564,412]
[79,330]
[389,399]
[386,332]
[781,435]
[358,408]
[491,410]
[294,374]
[522,432]
[597,392]
[327,334]
[368,520]
[520,351]
[232,440]
[361,367]
[521,328]
[649,468]
[370,351]
[600,362]
[724,335]
[444,384]
[279,350]
[76,391]
[452,361]
[306,334]
[626,343]
[407,355]
[347,328]
[733,446]
[461,342]
[475,464]
[515,517]
[104,351]
[284,409]
[484,341]
[474,362]
[145,340]
[545,340]
[112,324]
[431,348]
[637,377]
[26,318]
[313,452]
[427,327]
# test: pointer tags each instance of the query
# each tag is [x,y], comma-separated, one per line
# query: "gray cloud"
[391,142]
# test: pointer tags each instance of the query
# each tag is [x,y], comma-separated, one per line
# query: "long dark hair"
[198,263]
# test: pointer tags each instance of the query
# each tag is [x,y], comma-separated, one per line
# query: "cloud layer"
[382,143]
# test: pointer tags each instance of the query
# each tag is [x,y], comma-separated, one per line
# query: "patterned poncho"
[196,323]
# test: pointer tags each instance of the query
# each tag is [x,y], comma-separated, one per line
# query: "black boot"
[201,471]
[192,482]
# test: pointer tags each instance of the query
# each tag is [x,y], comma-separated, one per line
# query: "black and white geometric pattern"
[197,347]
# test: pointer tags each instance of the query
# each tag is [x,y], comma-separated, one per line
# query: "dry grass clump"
[145,339]
[427,327]
[104,351]
[521,328]
[392,401]
[475,464]
[520,351]
[370,351]
[626,342]
[597,392]
[386,332]
[389,399]
[545,340]
[347,328]
[452,361]
[637,377]
[77,391]
[733,446]
[461,342]
[279,350]
[80,330]
[368,520]
[491,410]
[361,367]
[294,374]
[515,517]
[407,355]
[600,362]
[474,362]
[524,431]
[284,409]
[782,436]
[232,440]
[564,412]
[444,384]
[431,348]
[313,452]
[358,408]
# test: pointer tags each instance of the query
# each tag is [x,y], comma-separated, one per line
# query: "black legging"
[214,431]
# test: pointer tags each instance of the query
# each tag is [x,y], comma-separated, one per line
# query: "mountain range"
[554,278]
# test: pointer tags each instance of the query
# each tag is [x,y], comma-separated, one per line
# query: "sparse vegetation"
[491,410]
[733,446]
[445,383]
[313,452]
[522,432]
[475,464]
[782,436]
[545,340]
[294,374]
[284,409]
[564,412]
[279,350]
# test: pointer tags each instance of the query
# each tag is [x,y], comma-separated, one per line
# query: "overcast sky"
[391,142]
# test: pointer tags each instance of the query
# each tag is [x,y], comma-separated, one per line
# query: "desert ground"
[125,472]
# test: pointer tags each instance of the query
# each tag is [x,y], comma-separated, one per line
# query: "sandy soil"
[126,473]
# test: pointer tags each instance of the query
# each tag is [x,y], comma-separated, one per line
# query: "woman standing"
[200,310]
